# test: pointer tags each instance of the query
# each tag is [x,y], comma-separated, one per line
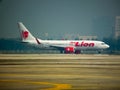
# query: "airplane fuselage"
[77,44]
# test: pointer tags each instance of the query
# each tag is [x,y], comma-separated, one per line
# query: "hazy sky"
[58,17]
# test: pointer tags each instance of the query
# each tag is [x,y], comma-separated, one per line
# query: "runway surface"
[59,72]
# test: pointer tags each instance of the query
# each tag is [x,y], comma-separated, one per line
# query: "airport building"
[117,27]
[87,37]
[79,37]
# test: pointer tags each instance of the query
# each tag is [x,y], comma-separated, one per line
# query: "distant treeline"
[13,44]
[16,46]
[114,45]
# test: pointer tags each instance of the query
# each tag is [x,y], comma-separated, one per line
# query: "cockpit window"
[102,43]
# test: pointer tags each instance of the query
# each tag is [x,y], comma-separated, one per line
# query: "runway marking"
[97,62]
[55,86]
[55,56]
[80,76]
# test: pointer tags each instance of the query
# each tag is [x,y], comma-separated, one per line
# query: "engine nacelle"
[69,50]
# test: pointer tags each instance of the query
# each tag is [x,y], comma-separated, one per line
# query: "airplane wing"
[62,47]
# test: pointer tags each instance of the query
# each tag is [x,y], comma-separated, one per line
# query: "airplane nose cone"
[107,46]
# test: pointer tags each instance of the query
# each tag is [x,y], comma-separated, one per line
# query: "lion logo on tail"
[25,34]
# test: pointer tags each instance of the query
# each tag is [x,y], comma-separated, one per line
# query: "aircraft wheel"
[77,51]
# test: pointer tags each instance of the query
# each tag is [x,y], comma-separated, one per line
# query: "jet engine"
[69,50]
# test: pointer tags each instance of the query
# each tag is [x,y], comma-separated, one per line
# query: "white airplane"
[66,46]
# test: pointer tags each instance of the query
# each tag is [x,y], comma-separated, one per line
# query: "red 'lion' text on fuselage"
[82,44]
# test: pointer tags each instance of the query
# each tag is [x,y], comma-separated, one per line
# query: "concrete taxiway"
[59,72]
